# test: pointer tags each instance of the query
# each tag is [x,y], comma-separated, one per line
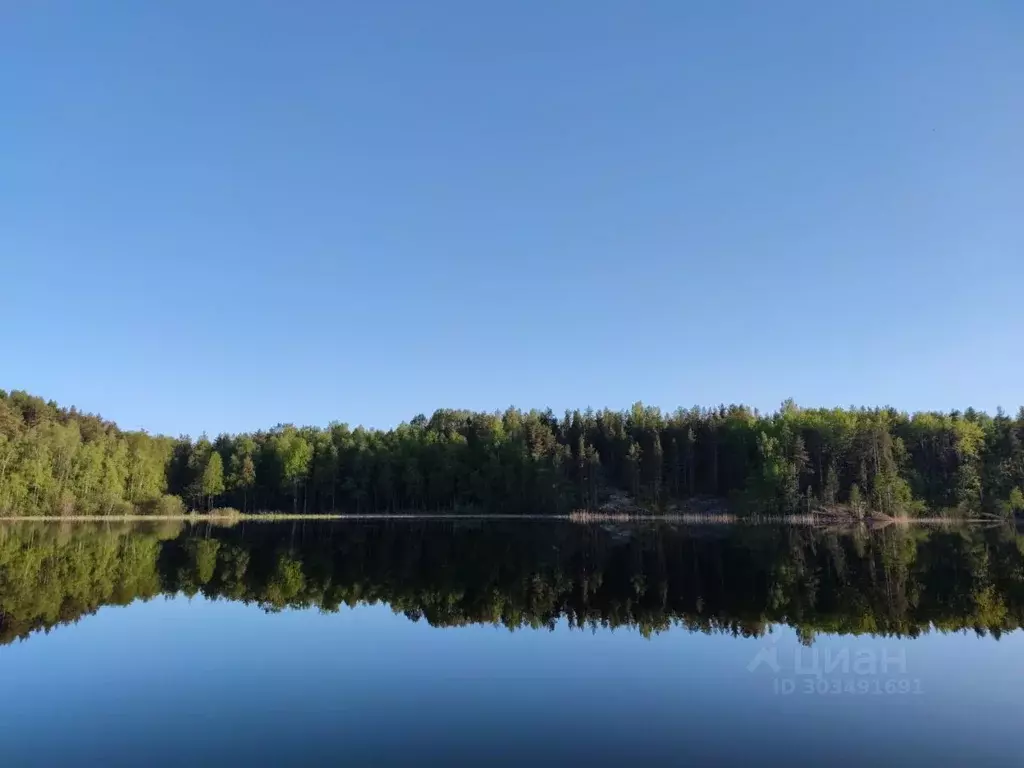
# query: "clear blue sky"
[224,215]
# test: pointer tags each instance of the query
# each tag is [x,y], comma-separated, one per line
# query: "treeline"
[796,459]
[899,581]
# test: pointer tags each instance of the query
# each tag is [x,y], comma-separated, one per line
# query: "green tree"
[856,502]
[294,454]
[1016,501]
[213,478]
[55,459]
[243,469]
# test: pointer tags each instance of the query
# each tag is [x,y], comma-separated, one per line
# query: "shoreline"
[689,518]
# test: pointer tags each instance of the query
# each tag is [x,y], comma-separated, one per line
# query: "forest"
[56,460]
[900,581]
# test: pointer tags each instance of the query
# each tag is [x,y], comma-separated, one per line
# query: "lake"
[509,642]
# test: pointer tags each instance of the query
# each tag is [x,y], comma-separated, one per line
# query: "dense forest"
[901,581]
[60,460]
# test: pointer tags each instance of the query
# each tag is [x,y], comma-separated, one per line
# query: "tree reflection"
[736,580]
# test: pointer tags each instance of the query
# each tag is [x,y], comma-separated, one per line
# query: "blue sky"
[226,215]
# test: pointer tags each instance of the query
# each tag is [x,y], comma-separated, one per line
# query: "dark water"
[509,643]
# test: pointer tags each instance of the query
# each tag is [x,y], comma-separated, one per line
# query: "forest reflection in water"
[740,580]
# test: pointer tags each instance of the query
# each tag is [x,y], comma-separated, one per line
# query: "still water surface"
[509,643]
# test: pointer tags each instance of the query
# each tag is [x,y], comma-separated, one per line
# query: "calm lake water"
[509,643]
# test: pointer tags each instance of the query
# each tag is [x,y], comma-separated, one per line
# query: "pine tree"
[690,457]
[633,470]
[830,490]
[657,464]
